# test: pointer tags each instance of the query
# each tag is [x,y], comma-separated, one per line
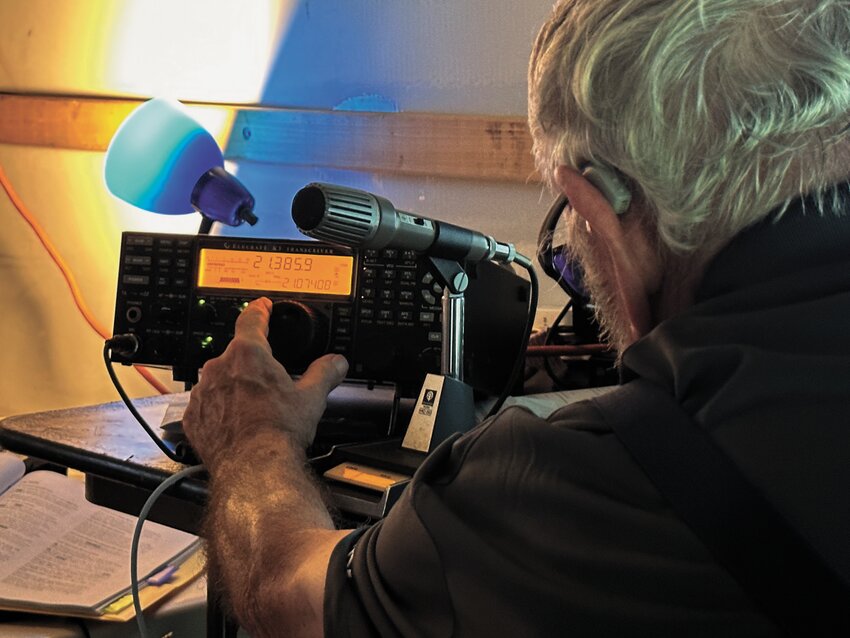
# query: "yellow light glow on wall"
[56,46]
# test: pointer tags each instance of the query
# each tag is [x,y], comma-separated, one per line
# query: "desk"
[122,465]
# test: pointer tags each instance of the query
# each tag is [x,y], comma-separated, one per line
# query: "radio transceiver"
[181,295]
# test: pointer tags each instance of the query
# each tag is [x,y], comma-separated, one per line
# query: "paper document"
[546,403]
[62,553]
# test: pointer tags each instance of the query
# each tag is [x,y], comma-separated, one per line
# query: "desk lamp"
[163,161]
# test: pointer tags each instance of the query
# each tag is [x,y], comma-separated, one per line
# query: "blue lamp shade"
[162,160]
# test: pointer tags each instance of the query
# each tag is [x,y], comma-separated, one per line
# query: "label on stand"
[421,428]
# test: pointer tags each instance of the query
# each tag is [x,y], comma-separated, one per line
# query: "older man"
[725,282]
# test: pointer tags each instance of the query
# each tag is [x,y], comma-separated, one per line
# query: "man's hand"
[246,390]
[269,535]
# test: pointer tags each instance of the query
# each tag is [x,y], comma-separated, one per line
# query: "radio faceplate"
[379,308]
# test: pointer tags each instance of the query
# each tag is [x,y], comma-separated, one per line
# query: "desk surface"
[123,465]
[102,440]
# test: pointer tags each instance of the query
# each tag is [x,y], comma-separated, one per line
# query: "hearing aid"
[608,182]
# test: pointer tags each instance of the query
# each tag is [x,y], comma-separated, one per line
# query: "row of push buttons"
[402,256]
[167,260]
[341,342]
[392,294]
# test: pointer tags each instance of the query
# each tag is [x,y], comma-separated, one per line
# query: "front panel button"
[137,260]
[136,280]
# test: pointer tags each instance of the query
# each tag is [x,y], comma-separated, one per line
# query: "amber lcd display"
[276,272]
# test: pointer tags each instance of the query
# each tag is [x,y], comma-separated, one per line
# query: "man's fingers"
[253,322]
[324,374]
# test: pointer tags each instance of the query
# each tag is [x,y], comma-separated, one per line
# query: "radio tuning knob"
[298,334]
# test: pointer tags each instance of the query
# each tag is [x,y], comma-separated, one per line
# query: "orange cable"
[68,275]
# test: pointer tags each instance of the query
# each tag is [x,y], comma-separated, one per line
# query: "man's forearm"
[266,521]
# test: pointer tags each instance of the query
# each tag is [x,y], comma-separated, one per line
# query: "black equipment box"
[181,294]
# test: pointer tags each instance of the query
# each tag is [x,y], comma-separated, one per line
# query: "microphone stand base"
[446,406]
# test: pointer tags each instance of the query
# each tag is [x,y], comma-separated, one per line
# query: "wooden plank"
[454,146]
[61,122]
[404,143]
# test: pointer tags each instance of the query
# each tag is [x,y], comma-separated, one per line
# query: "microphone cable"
[128,344]
[137,535]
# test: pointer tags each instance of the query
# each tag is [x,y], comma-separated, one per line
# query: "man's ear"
[587,201]
[633,263]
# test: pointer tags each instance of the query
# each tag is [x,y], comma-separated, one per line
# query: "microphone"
[355,218]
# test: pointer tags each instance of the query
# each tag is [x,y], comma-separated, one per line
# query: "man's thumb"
[324,374]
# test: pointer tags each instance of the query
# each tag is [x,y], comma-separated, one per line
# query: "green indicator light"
[244,305]
[201,302]
[206,342]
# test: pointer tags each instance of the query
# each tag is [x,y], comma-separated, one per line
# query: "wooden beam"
[455,146]
[61,122]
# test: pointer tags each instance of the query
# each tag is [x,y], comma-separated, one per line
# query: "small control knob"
[206,311]
[233,312]
[298,334]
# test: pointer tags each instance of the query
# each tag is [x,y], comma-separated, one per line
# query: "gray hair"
[717,111]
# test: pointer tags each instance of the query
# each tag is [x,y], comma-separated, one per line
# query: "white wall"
[416,55]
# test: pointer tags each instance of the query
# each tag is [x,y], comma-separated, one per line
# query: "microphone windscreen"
[336,214]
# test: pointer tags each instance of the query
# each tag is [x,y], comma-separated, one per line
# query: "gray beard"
[605,303]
